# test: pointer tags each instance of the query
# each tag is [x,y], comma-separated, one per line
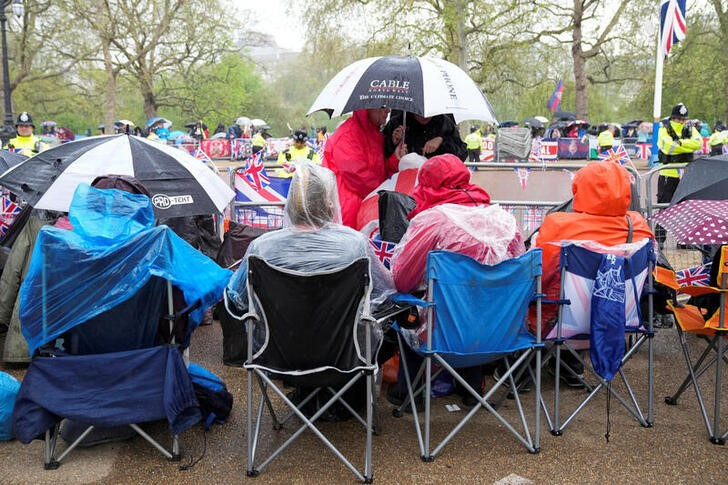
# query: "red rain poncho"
[444,179]
[355,153]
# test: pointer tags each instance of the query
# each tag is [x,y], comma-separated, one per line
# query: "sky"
[270,17]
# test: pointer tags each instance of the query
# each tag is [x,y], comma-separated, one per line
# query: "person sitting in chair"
[451,214]
[312,238]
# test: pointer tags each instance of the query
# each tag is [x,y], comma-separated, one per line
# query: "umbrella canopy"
[123,122]
[645,127]
[179,184]
[542,119]
[10,159]
[696,221]
[704,179]
[158,120]
[564,115]
[174,134]
[192,124]
[65,134]
[508,124]
[48,123]
[422,85]
[257,122]
[533,122]
[243,121]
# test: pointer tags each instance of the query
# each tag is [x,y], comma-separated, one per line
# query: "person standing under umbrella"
[677,141]
[425,135]
[25,141]
[355,153]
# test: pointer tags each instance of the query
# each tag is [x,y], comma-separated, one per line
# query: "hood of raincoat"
[602,189]
[444,179]
[109,214]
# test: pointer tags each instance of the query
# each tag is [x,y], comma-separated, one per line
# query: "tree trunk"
[582,100]
[110,112]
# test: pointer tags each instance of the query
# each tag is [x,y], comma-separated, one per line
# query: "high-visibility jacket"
[674,148]
[605,139]
[27,145]
[258,140]
[718,138]
[292,154]
[474,141]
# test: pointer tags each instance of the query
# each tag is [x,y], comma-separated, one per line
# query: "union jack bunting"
[672,24]
[619,155]
[8,211]
[695,276]
[383,249]
[643,151]
[522,174]
[533,215]
[535,155]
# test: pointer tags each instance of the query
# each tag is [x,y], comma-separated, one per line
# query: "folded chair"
[476,314]
[714,329]
[599,311]
[319,335]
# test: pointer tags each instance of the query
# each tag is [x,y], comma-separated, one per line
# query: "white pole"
[657,106]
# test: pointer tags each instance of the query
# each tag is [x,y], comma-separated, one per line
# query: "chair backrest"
[133,324]
[480,310]
[311,319]
[581,277]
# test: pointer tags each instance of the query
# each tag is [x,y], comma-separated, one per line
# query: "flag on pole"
[672,24]
[555,99]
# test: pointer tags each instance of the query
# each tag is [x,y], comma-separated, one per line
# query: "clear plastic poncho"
[312,238]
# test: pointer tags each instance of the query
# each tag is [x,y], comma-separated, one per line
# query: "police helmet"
[24,119]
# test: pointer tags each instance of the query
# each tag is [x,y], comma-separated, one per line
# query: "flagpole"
[657,105]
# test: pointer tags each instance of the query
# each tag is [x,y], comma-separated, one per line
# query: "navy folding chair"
[477,315]
[599,310]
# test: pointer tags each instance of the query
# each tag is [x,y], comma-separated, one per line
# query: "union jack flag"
[695,276]
[202,156]
[8,211]
[619,155]
[522,174]
[672,24]
[255,172]
[533,216]
[383,249]
[535,155]
[643,151]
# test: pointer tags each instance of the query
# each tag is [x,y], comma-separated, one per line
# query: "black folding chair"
[313,327]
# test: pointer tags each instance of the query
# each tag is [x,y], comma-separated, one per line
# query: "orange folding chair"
[714,328]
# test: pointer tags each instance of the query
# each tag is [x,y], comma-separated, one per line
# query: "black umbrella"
[179,184]
[508,124]
[9,159]
[192,124]
[704,179]
[532,122]
[564,115]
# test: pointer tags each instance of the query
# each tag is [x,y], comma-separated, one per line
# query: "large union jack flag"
[255,172]
[618,155]
[8,211]
[695,276]
[672,24]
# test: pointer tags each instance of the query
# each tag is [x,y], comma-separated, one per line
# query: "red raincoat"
[355,153]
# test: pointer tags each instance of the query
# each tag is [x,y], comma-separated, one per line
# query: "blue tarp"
[112,251]
[9,387]
[480,310]
[105,390]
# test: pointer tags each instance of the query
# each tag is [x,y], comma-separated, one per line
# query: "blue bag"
[9,387]
[608,317]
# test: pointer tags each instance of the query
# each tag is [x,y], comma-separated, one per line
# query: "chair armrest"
[408,299]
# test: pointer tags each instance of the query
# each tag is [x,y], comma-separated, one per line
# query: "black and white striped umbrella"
[423,85]
[179,184]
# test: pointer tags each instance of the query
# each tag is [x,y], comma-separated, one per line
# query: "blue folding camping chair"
[599,310]
[477,315]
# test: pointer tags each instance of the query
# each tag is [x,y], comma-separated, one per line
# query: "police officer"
[25,141]
[299,151]
[606,138]
[718,139]
[474,143]
[258,141]
[677,141]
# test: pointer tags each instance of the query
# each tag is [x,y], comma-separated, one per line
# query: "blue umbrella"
[174,134]
[158,120]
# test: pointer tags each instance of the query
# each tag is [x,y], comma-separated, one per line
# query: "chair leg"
[428,402]
[715,439]
[51,438]
[250,471]
[699,370]
[368,477]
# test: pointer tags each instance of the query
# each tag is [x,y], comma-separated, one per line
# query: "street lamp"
[8,129]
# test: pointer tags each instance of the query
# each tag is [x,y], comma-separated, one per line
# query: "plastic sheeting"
[313,199]
[106,390]
[111,253]
[9,387]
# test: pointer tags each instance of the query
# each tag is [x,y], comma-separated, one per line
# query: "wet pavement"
[676,449]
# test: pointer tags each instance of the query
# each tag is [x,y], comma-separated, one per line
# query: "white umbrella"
[422,85]
[179,184]
[257,122]
[243,121]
